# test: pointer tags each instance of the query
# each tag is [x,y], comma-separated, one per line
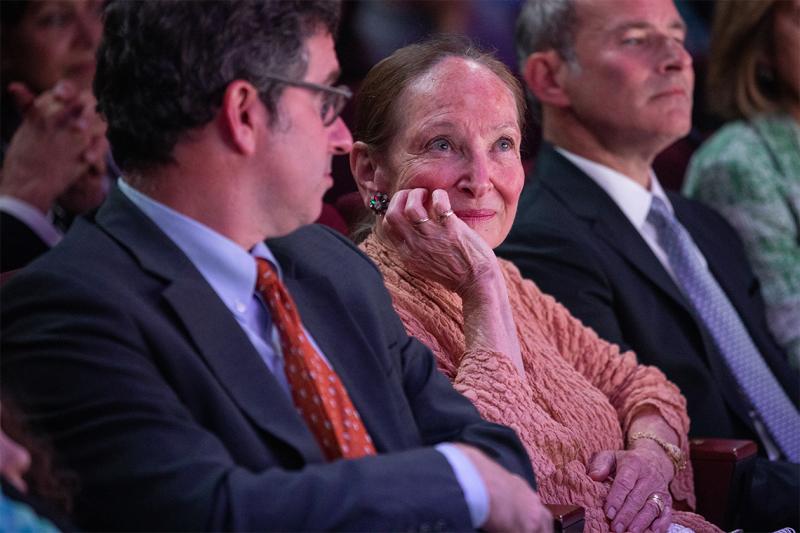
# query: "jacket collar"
[587,200]
[214,332]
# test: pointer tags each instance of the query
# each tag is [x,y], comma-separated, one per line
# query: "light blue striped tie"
[726,328]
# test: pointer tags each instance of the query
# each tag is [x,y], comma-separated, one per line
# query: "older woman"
[54,148]
[750,170]
[438,130]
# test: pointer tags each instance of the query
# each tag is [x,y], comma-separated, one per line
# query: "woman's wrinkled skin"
[459,149]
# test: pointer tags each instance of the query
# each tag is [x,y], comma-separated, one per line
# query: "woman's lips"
[475,215]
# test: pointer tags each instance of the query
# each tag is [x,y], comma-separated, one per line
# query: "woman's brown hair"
[741,82]
[377,116]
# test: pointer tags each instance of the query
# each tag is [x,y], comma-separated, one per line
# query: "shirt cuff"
[36,221]
[472,485]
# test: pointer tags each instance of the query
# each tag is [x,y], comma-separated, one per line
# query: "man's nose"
[675,56]
[340,138]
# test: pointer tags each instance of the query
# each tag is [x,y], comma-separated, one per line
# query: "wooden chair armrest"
[566,518]
[719,466]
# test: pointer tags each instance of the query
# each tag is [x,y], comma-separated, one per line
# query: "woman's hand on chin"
[434,243]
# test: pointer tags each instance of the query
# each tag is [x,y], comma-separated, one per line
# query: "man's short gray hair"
[545,25]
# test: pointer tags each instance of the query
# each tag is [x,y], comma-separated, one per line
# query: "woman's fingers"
[23,97]
[630,503]
[655,514]
[441,211]
[601,465]
[415,211]
[662,522]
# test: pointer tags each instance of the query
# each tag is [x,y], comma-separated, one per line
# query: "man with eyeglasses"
[197,377]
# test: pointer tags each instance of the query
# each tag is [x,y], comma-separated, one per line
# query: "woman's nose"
[477,179]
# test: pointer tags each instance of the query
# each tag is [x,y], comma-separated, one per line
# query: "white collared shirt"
[633,200]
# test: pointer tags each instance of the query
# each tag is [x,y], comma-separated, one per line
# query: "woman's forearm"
[646,429]
[488,320]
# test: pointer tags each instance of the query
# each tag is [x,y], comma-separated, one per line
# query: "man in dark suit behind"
[141,344]
[612,84]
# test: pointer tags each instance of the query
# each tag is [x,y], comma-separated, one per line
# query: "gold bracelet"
[674,453]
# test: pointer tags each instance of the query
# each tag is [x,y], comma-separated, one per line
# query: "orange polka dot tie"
[317,391]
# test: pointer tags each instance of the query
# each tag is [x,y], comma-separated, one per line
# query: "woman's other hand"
[638,474]
[60,138]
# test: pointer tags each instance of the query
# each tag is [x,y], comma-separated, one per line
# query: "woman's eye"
[633,40]
[505,144]
[54,20]
[441,145]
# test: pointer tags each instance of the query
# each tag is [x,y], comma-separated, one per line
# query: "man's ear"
[544,74]
[242,116]
[368,173]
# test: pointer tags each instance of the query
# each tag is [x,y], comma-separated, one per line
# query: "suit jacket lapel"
[214,332]
[590,202]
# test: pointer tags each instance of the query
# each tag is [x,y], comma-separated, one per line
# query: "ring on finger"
[658,501]
[421,221]
[446,214]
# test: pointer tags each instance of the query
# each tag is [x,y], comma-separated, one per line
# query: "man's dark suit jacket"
[19,245]
[576,244]
[116,345]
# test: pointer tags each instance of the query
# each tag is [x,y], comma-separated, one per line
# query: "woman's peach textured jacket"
[577,398]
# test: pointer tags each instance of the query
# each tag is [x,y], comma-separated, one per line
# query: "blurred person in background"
[55,156]
[36,495]
[750,170]
[648,269]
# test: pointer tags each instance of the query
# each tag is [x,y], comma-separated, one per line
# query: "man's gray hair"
[545,25]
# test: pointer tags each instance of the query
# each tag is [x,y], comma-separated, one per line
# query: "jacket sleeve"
[83,368]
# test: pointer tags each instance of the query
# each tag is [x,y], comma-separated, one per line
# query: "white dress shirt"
[633,200]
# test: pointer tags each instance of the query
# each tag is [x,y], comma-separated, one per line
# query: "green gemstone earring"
[379,203]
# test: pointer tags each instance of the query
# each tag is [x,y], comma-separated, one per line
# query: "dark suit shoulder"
[698,217]
[546,232]
[19,245]
[319,249]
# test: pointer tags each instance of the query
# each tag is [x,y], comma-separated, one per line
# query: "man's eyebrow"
[677,24]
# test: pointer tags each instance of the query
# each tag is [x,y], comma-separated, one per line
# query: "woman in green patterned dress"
[750,170]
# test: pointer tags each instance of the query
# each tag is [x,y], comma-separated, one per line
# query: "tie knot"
[266,273]
[659,212]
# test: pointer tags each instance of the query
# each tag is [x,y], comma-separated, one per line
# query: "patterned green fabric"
[750,173]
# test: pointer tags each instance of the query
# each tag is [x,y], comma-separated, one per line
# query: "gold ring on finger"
[446,214]
[658,501]
[421,221]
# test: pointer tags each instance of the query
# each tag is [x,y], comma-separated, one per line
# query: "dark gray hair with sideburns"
[163,66]
[545,25]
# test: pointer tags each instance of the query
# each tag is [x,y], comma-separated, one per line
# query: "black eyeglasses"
[333,100]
